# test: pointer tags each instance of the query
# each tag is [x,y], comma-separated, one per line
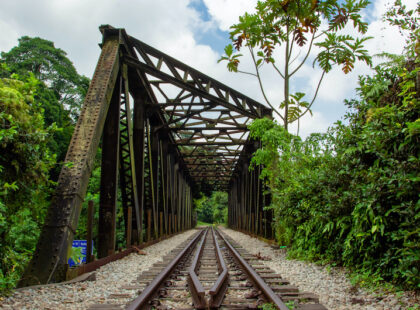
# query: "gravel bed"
[331,284]
[109,279]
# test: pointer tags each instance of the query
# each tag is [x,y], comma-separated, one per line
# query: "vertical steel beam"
[129,228]
[139,156]
[134,193]
[164,181]
[109,178]
[89,237]
[152,182]
[155,181]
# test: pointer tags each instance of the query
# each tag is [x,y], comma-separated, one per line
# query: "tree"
[219,202]
[350,196]
[408,24]
[298,23]
[61,93]
[50,65]
[212,209]
[25,161]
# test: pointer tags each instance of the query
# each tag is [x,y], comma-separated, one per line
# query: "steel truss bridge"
[167,131]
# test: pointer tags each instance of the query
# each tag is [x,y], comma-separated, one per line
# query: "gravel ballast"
[331,284]
[109,279]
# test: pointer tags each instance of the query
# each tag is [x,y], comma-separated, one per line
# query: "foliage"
[25,161]
[61,80]
[50,65]
[408,23]
[199,223]
[93,194]
[40,96]
[351,195]
[296,26]
[212,209]
[219,201]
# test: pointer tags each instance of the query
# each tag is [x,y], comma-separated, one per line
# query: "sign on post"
[78,253]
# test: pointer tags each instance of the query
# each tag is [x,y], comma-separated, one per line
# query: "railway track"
[211,271]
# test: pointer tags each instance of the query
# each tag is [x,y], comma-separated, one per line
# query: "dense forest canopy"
[212,209]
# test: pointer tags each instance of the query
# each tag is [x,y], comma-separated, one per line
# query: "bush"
[25,161]
[352,195]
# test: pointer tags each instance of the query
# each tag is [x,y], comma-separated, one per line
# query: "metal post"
[129,224]
[149,224]
[139,152]
[155,181]
[109,177]
[89,237]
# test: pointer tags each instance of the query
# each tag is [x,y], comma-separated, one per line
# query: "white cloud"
[309,124]
[73,25]
[10,40]
[227,12]
[174,28]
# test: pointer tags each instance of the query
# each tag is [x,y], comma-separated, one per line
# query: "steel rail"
[217,292]
[267,291]
[197,290]
[152,288]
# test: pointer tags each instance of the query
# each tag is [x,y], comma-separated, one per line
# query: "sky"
[195,32]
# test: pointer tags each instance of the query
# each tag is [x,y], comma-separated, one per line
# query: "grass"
[199,223]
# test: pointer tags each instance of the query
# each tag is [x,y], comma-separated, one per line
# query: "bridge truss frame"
[166,131]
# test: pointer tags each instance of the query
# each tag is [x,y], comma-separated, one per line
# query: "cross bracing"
[206,119]
[167,132]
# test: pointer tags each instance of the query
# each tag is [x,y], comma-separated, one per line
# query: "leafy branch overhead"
[296,26]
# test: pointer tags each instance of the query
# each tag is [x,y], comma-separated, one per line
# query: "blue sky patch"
[214,37]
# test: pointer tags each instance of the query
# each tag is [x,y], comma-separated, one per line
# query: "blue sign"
[78,252]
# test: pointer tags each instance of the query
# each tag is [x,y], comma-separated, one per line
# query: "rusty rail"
[153,287]
[258,281]
[217,292]
[197,290]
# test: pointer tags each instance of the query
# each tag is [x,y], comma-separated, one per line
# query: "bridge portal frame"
[154,151]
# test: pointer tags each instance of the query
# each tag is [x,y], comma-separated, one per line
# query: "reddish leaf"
[299,37]
[348,66]
[238,42]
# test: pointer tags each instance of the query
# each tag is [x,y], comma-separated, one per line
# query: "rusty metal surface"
[50,258]
[152,288]
[196,288]
[109,177]
[218,290]
[268,292]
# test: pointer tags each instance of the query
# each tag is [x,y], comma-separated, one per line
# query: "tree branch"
[260,82]
[316,94]
[306,56]
[293,41]
[244,72]
[295,57]
[278,70]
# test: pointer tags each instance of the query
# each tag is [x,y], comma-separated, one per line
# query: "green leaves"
[212,209]
[351,196]
[233,60]
[50,65]
[296,107]
[294,25]
[25,161]
[342,50]
[408,23]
